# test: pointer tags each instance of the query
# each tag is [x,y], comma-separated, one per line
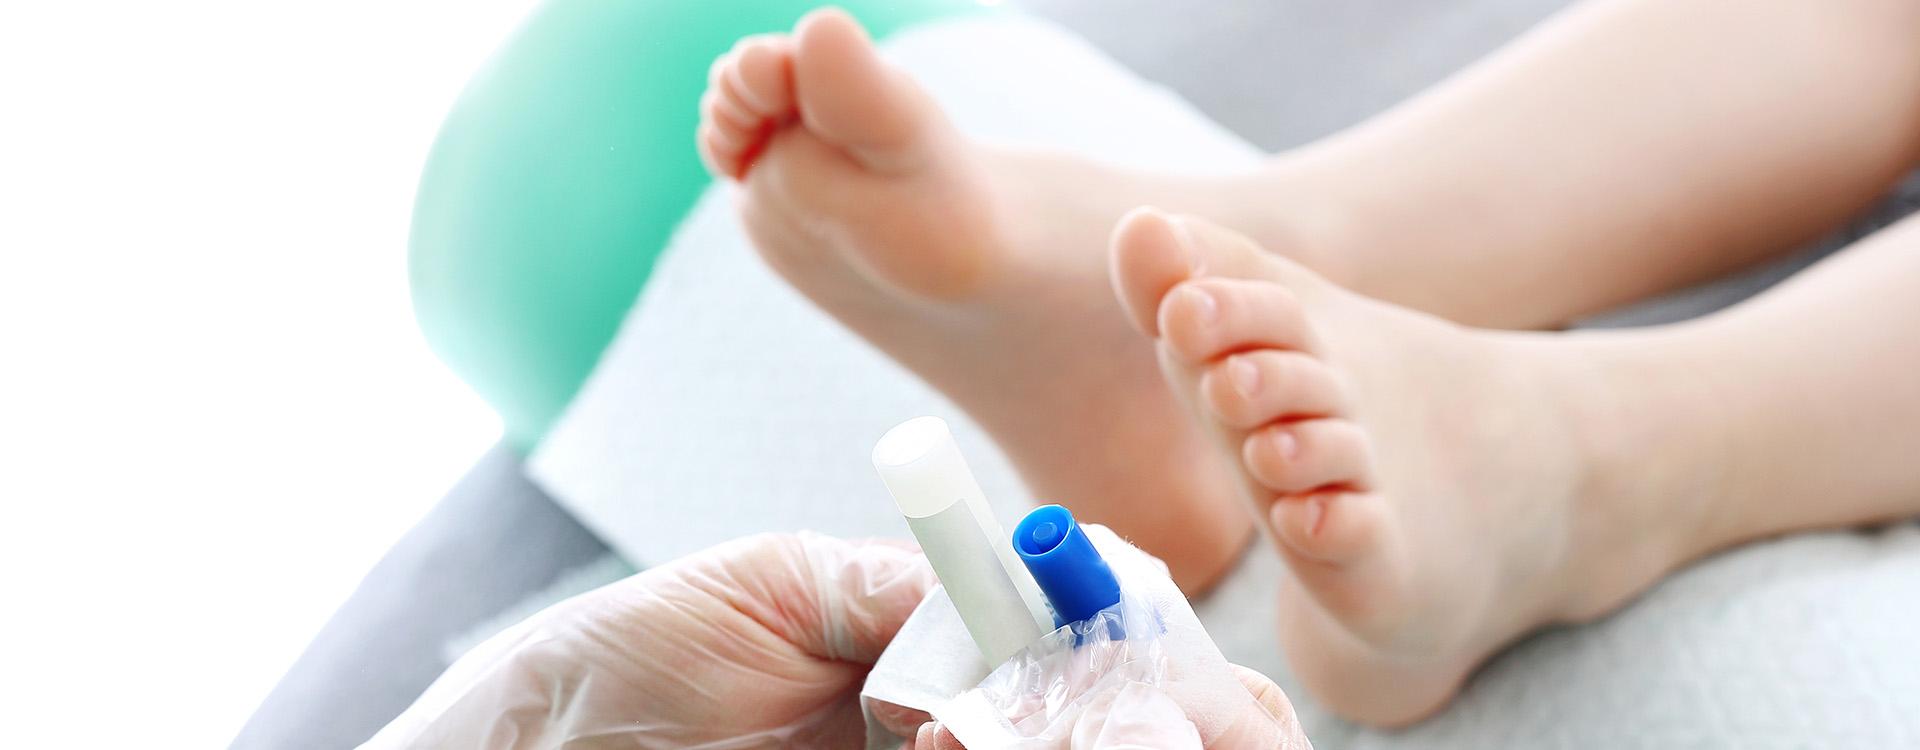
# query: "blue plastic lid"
[1062,559]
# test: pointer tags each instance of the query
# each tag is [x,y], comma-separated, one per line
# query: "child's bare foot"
[983,270]
[1428,485]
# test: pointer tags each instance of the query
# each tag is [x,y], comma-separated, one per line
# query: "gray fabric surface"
[489,543]
[1283,73]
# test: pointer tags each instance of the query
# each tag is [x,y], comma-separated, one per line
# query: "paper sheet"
[728,404]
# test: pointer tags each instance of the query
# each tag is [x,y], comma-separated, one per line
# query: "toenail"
[1311,510]
[1203,304]
[1316,511]
[1283,443]
[1183,237]
[1244,375]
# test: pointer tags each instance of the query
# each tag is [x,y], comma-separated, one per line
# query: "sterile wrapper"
[1150,642]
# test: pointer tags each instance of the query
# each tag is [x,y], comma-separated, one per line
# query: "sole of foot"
[1426,484]
[980,269]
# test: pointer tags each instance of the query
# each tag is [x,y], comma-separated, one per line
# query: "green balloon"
[558,177]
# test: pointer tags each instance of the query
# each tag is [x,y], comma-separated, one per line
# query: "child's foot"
[982,270]
[1425,483]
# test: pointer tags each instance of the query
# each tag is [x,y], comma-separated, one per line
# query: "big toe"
[851,98]
[1153,251]
[1148,257]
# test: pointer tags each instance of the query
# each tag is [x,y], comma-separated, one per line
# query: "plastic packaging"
[1042,693]
[1142,673]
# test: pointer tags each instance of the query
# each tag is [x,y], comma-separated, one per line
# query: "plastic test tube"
[969,550]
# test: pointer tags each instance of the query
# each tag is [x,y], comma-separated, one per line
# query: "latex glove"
[1141,716]
[1137,716]
[759,642]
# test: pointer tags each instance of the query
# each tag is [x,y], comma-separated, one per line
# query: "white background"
[215,410]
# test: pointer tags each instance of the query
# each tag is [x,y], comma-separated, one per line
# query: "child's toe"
[1329,526]
[762,76]
[718,109]
[1252,388]
[1291,457]
[1206,318]
[749,93]
[716,150]
[1146,259]
[725,138]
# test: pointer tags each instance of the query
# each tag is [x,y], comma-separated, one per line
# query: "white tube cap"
[922,466]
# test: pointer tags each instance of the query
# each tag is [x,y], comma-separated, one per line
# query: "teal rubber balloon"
[559,176]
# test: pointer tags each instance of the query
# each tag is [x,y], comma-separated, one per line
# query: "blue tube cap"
[1077,581]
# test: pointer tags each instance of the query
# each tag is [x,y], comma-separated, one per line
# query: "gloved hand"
[1144,717]
[759,642]
[1141,716]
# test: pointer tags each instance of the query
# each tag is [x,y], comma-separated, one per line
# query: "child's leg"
[1438,491]
[1811,396]
[1622,149]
